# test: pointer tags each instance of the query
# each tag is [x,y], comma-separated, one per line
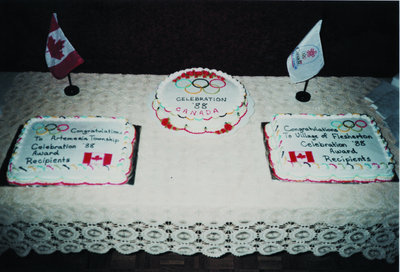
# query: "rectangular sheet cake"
[345,148]
[73,151]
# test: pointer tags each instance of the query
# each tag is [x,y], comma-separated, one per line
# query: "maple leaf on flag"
[61,57]
[55,48]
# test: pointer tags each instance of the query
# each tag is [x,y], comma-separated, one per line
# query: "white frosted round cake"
[200,101]
[328,148]
[73,151]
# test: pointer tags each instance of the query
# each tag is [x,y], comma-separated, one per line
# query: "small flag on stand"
[306,60]
[61,56]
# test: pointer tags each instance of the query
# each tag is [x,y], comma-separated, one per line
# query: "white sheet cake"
[73,151]
[345,148]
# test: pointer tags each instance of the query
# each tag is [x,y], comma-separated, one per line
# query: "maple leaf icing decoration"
[55,48]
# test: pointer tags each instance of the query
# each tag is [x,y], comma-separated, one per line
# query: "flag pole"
[71,90]
[303,96]
[69,79]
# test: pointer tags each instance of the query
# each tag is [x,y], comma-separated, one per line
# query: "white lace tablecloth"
[195,194]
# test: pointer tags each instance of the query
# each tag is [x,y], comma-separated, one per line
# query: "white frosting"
[328,148]
[72,151]
[209,102]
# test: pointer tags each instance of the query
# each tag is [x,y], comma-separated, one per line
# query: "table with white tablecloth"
[191,194]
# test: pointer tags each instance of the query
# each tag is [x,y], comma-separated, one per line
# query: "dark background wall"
[238,37]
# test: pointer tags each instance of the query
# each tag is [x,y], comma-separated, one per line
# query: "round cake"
[200,101]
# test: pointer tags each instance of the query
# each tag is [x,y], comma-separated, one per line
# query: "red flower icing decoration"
[228,127]
[165,121]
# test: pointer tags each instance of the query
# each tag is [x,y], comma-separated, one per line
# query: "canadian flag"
[61,57]
[91,158]
[301,156]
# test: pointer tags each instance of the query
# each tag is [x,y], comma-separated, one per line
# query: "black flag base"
[303,96]
[71,90]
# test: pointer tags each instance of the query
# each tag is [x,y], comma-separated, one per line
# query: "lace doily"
[376,242]
[192,195]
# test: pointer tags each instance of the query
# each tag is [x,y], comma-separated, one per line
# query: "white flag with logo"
[307,59]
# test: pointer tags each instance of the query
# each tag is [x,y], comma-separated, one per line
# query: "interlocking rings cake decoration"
[51,128]
[213,83]
[347,125]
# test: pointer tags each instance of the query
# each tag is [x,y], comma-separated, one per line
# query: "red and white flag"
[301,156]
[61,57]
[91,158]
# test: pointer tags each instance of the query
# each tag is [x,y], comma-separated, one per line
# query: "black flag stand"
[71,90]
[303,96]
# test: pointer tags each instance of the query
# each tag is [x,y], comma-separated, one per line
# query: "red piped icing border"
[127,174]
[198,74]
[332,180]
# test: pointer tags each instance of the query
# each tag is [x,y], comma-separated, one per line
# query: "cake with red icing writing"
[345,148]
[73,151]
[201,101]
